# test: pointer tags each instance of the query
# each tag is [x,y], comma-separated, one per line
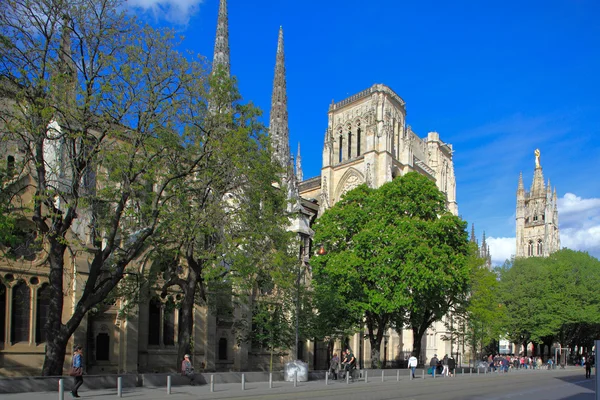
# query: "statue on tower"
[537,158]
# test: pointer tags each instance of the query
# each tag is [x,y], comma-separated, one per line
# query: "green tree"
[394,255]
[93,100]
[227,223]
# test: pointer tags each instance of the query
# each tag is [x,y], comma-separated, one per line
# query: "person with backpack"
[77,370]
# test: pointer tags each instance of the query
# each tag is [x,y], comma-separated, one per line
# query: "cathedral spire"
[473,239]
[221,53]
[299,174]
[278,125]
[66,69]
[521,188]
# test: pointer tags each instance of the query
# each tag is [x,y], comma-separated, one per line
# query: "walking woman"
[77,370]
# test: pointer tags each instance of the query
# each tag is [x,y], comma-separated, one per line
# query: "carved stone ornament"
[369,176]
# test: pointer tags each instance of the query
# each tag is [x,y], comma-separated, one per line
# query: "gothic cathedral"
[537,216]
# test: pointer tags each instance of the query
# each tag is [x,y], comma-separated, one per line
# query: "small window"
[358,142]
[530,248]
[341,149]
[540,248]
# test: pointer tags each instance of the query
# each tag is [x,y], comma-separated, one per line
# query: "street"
[567,384]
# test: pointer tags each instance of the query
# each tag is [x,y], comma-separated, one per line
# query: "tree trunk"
[376,325]
[57,335]
[417,337]
[54,360]
[186,319]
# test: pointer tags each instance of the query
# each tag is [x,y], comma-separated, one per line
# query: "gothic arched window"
[41,315]
[154,322]
[2,311]
[21,297]
[540,247]
[358,141]
[341,148]
[169,328]
[349,143]
[530,248]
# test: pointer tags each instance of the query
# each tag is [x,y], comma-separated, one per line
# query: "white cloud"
[501,248]
[579,223]
[175,11]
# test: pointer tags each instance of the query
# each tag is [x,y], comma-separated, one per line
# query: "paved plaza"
[567,384]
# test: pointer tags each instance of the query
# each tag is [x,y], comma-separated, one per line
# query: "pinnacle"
[278,125]
[221,52]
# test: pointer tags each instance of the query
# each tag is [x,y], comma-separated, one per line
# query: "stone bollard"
[61,389]
[347,377]
[463,371]
[296,379]
[244,382]
[366,376]
[382,375]
[326,378]
[168,384]
[212,383]
[271,380]
[423,373]
[120,386]
[398,376]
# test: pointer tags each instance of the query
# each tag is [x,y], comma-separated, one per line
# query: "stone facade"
[368,141]
[537,216]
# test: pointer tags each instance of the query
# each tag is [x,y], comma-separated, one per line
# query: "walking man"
[412,364]
[451,365]
[588,368]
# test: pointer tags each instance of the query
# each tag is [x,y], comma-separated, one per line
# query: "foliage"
[553,298]
[93,101]
[394,254]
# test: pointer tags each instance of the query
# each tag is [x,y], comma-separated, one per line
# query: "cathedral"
[537,216]
[366,141]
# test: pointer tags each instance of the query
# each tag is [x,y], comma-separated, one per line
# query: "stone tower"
[368,141]
[537,216]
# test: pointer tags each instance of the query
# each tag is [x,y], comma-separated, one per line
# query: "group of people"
[444,367]
[346,365]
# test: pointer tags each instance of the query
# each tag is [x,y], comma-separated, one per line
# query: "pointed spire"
[521,188]
[473,239]
[483,244]
[221,53]
[278,126]
[67,75]
[299,165]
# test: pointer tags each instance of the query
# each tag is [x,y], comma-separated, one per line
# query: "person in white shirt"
[412,364]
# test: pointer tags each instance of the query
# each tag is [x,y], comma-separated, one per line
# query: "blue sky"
[495,79]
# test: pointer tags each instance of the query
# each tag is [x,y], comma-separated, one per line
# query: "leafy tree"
[395,255]
[553,298]
[227,223]
[93,100]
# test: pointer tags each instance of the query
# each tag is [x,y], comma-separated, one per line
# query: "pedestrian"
[588,368]
[451,365]
[334,366]
[433,364]
[76,370]
[187,369]
[412,364]
[445,366]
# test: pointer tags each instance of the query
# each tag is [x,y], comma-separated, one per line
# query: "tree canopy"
[395,255]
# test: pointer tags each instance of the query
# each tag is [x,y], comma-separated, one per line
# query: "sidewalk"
[260,389]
